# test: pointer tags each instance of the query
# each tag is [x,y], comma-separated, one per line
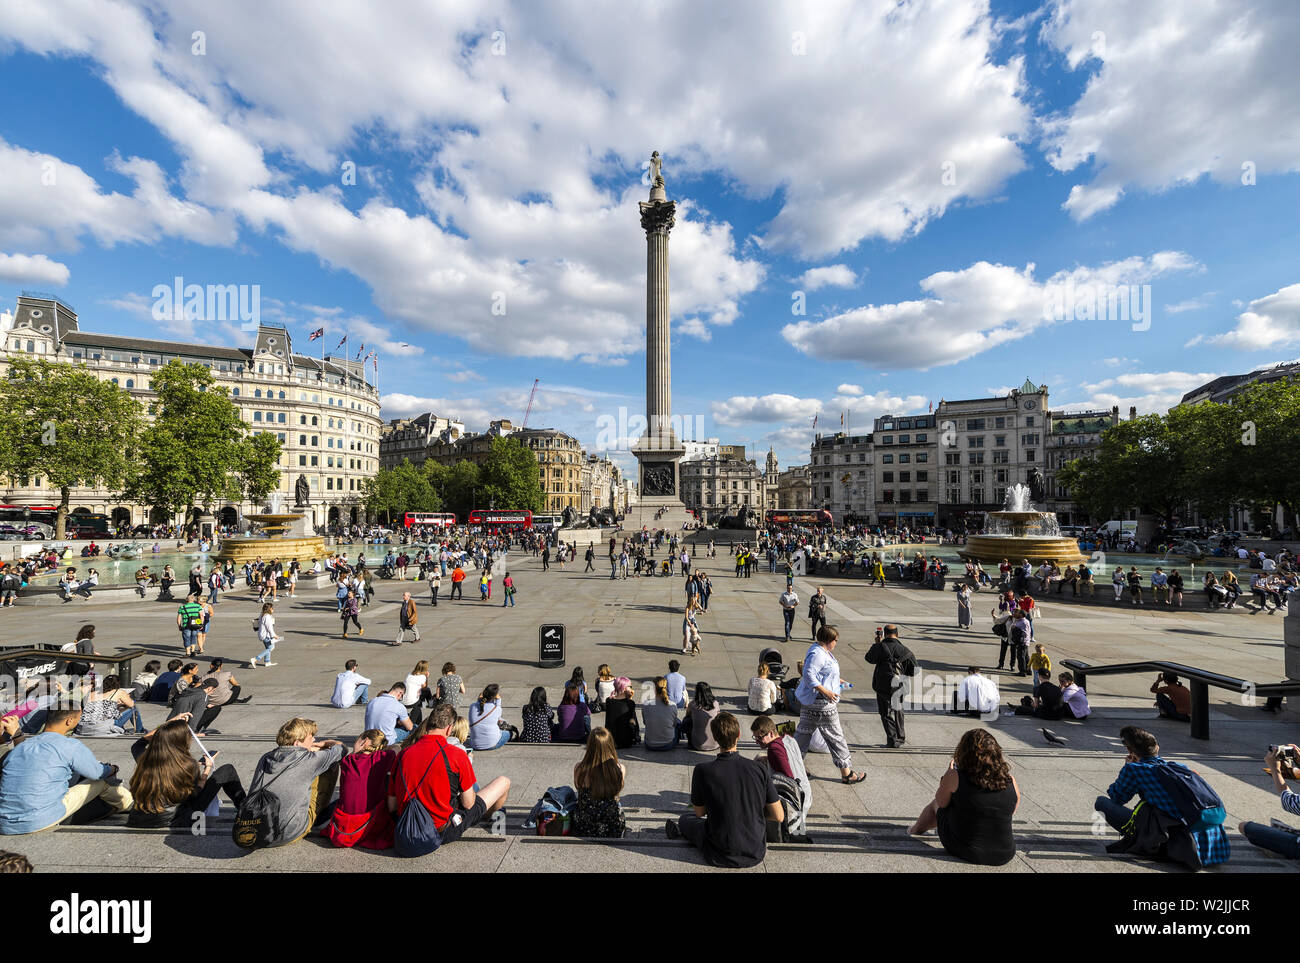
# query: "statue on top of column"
[656,170]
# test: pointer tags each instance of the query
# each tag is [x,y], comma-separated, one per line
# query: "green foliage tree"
[460,484]
[402,489]
[197,451]
[60,421]
[510,478]
[1265,445]
[259,472]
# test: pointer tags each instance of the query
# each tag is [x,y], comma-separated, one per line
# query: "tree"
[258,473]
[401,489]
[509,477]
[60,421]
[196,452]
[1265,444]
[460,485]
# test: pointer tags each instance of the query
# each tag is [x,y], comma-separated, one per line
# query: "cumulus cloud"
[1163,105]
[33,268]
[1272,321]
[1148,391]
[750,409]
[833,275]
[977,308]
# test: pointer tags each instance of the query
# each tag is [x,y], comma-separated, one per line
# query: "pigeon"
[1053,738]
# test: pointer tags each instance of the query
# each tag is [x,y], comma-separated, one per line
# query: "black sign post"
[550,646]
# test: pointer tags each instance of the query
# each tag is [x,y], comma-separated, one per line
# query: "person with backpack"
[189,619]
[508,591]
[361,817]
[291,788]
[893,660]
[1180,817]
[432,795]
[265,628]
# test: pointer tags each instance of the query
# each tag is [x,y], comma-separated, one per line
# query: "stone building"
[794,488]
[560,459]
[905,474]
[325,414]
[713,486]
[408,439]
[1071,435]
[842,479]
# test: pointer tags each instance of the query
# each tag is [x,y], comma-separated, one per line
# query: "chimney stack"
[1132,413]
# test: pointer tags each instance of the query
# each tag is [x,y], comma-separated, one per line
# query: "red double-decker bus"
[800,516]
[501,517]
[432,519]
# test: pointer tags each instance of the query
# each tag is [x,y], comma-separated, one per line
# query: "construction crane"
[529,410]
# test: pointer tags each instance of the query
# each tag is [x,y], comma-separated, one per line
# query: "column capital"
[658,217]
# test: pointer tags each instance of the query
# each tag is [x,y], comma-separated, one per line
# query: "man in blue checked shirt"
[1140,776]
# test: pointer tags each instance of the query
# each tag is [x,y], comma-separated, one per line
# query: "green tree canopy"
[60,421]
[402,489]
[510,477]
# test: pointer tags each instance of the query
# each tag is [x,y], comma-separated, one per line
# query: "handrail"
[1200,679]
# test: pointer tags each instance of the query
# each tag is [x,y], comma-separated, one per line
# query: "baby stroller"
[776,669]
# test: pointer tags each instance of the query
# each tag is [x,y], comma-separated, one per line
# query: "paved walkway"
[635,626]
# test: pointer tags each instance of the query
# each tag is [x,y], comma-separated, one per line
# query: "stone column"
[657,218]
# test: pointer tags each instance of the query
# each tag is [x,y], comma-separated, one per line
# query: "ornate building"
[771,494]
[324,413]
[711,487]
[560,459]
[1071,435]
[794,488]
[842,478]
[408,439]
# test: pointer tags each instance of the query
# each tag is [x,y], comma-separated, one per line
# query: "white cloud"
[1190,304]
[833,275]
[745,409]
[460,377]
[847,389]
[1148,391]
[33,268]
[1272,321]
[1165,108]
[472,411]
[974,309]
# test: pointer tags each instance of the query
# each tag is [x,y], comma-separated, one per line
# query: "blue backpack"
[1198,805]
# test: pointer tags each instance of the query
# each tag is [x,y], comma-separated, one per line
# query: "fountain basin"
[283,536]
[992,549]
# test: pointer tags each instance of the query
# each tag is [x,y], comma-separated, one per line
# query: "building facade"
[324,412]
[700,449]
[711,487]
[408,439]
[1071,435]
[988,445]
[794,488]
[771,482]
[905,449]
[842,477]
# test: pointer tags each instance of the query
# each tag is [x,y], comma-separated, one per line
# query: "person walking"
[507,591]
[266,634]
[690,629]
[963,606]
[893,661]
[546,559]
[591,555]
[789,602]
[435,583]
[817,610]
[818,693]
[351,611]
[407,619]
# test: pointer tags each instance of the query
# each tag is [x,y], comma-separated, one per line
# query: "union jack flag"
[316,334]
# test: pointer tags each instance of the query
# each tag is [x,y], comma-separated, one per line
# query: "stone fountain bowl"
[285,535]
[992,549]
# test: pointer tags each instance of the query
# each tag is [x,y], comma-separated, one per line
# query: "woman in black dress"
[976,800]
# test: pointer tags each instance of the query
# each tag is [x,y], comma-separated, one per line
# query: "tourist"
[386,713]
[1147,775]
[604,683]
[1117,581]
[300,774]
[620,714]
[161,689]
[676,684]
[1038,662]
[894,662]
[538,722]
[435,583]
[577,679]
[171,788]
[417,691]
[361,816]
[1086,581]
[1275,838]
[439,776]
[963,606]
[1231,587]
[818,692]
[663,730]
[487,729]
[108,711]
[690,630]
[1019,632]
[1074,701]
[457,582]
[573,716]
[1134,585]
[1172,697]
[977,695]
[599,778]
[143,579]
[789,601]
[351,688]
[1175,589]
[507,591]
[1046,702]
[143,683]
[407,620]
[763,692]
[84,643]
[784,758]
[189,620]
[266,635]
[975,803]
[699,713]
[1160,587]
[50,778]
[733,798]
[450,686]
[196,701]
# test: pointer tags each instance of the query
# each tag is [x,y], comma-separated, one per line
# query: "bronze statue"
[302,493]
[1036,485]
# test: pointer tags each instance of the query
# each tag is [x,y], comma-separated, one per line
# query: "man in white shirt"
[350,688]
[977,695]
[789,602]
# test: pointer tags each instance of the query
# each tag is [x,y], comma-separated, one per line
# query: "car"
[9,533]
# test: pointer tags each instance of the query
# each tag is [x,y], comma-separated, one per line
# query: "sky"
[879,204]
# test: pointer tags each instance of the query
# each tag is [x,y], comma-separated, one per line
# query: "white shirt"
[762,693]
[978,692]
[789,599]
[414,683]
[345,688]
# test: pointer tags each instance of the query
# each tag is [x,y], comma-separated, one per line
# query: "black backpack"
[258,820]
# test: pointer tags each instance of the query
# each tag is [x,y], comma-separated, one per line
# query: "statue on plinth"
[302,493]
[656,170]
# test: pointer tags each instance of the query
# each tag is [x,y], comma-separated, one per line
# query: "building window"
[977,457]
[904,476]
[952,458]
[904,439]
[922,495]
[904,458]
[920,438]
[974,424]
[887,477]
[888,495]
[922,456]
[922,476]
[999,441]
[1030,454]
[887,459]
[975,441]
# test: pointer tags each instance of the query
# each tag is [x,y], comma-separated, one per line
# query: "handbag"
[415,833]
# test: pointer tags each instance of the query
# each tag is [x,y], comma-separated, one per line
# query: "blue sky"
[920,175]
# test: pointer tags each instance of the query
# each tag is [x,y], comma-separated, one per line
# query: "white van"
[1123,527]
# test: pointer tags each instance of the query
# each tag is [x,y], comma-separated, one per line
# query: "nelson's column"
[658,450]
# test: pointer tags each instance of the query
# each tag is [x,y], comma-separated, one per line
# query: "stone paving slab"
[635,626]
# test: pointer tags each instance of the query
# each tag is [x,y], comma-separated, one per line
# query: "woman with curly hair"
[976,799]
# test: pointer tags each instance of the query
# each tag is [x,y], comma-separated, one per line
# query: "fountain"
[281,535]
[1019,532]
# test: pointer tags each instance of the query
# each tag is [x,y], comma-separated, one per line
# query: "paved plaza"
[635,626]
